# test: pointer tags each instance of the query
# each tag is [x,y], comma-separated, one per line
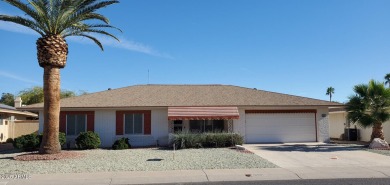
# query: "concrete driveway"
[312,155]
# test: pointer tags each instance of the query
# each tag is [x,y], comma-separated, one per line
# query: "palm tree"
[387,79]
[369,107]
[55,20]
[330,91]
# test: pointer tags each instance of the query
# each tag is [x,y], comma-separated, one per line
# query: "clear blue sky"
[295,47]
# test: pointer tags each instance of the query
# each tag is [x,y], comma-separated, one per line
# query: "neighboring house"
[146,114]
[14,123]
[338,122]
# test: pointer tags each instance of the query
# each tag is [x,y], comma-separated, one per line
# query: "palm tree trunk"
[377,131]
[51,111]
[330,99]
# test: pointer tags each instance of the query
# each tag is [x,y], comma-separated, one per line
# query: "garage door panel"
[274,138]
[279,130]
[280,127]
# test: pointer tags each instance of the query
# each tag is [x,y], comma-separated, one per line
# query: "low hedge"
[28,142]
[88,140]
[31,142]
[205,140]
[121,144]
[9,140]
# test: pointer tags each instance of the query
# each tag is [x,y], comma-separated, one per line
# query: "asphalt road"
[374,181]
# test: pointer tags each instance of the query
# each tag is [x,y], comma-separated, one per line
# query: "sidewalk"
[180,176]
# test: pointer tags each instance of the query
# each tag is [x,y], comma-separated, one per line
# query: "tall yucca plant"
[369,107]
[55,20]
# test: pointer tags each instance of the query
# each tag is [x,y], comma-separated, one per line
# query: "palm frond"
[92,38]
[85,12]
[370,104]
[24,22]
[93,31]
[63,17]
[40,6]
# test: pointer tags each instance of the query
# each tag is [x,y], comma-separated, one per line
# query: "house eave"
[18,112]
[159,106]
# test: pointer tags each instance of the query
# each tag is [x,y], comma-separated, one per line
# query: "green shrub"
[122,143]
[88,140]
[32,141]
[28,142]
[9,140]
[207,140]
[62,138]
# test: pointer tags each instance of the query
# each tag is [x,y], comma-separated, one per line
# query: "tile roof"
[184,95]
[3,106]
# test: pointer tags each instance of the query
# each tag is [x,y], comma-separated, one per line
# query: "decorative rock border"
[34,156]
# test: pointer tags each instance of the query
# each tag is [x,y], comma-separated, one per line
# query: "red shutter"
[147,123]
[91,121]
[119,122]
[63,122]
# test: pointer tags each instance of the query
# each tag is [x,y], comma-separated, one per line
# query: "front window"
[75,124]
[206,126]
[134,123]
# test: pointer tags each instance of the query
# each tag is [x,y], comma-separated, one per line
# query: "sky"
[296,47]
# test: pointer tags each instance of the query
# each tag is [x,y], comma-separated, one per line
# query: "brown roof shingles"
[185,95]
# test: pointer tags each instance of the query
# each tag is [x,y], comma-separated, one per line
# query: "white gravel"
[101,160]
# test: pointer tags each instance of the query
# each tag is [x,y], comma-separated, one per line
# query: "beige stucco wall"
[338,119]
[22,127]
[337,122]
[4,130]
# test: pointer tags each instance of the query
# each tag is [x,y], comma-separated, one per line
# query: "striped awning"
[202,113]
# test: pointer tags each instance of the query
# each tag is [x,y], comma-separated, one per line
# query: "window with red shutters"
[133,122]
[70,121]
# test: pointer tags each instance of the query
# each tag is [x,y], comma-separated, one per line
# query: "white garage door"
[280,127]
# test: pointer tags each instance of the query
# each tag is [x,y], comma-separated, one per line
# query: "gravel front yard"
[101,160]
[383,152]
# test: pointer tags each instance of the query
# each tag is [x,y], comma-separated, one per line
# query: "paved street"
[190,176]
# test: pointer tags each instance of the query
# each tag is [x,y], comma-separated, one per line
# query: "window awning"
[202,113]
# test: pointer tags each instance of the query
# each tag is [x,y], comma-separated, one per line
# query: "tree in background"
[7,99]
[387,79]
[31,95]
[54,20]
[36,95]
[369,107]
[329,92]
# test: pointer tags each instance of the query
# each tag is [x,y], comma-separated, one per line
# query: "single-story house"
[14,123]
[146,114]
[338,123]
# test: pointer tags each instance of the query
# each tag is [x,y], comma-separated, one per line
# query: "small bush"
[28,142]
[88,140]
[121,144]
[207,140]
[9,140]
